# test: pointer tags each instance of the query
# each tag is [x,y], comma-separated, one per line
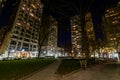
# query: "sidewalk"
[97,72]
[47,73]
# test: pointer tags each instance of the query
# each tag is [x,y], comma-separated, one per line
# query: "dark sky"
[64,34]
[62,10]
[97,9]
[6,12]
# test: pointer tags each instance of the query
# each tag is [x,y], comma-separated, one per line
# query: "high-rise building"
[76,33]
[111,28]
[89,26]
[111,22]
[6,28]
[90,31]
[23,37]
[50,49]
[76,36]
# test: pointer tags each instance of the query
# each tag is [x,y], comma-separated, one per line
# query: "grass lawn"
[67,66]
[15,69]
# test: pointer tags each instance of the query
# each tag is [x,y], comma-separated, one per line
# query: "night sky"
[62,10]
[6,12]
[97,9]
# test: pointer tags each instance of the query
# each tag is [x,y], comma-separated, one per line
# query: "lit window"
[107,15]
[78,46]
[76,31]
[74,26]
[28,24]
[108,10]
[114,22]
[28,9]
[23,8]
[18,24]
[33,6]
[24,5]
[111,15]
[31,14]
[39,19]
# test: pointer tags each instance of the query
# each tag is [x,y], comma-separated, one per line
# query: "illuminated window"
[114,22]
[31,14]
[18,23]
[33,6]
[23,8]
[24,5]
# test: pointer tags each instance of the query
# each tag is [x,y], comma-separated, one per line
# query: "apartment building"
[111,28]
[90,32]
[50,49]
[111,22]
[76,36]
[23,41]
[89,26]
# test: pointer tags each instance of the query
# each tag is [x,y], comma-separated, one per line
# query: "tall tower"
[89,26]
[23,37]
[111,22]
[50,49]
[76,33]
[90,32]
[76,36]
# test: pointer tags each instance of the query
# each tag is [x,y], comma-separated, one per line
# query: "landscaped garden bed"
[67,66]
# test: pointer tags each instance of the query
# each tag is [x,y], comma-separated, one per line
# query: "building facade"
[90,32]
[51,47]
[76,33]
[23,41]
[111,22]
[52,39]
[89,26]
[76,36]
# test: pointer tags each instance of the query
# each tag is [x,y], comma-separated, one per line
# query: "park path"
[97,72]
[47,73]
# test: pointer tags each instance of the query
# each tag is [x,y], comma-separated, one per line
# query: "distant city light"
[23,49]
[13,50]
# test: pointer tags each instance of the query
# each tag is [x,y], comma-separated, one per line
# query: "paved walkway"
[97,72]
[47,73]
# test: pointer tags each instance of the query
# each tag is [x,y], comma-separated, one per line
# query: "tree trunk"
[85,44]
[43,30]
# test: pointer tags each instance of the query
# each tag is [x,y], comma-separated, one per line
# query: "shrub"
[67,66]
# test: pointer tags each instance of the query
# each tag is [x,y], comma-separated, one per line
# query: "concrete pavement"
[45,74]
[96,72]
